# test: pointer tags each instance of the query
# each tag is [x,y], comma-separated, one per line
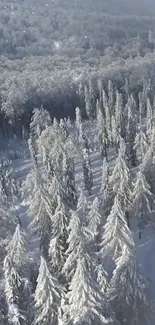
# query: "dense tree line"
[48,49]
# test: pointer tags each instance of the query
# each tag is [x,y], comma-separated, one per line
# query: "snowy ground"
[145,248]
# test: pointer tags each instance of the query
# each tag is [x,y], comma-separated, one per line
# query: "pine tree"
[120,180]
[83,205]
[86,303]
[78,235]
[64,128]
[39,122]
[33,151]
[69,181]
[111,96]
[16,287]
[8,222]
[140,144]
[105,177]
[41,211]
[127,290]
[78,121]
[102,131]
[88,106]
[100,91]
[149,119]
[106,191]
[107,117]
[88,177]
[115,133]
[116,232]
[94,217]
[18,249]
[59,233]
[47,297]
[29,185]
[118,111]
[143,201]
[131,131]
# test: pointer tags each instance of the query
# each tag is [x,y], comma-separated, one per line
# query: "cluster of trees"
[88,271]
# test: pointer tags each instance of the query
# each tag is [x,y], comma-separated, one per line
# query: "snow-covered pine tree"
[86,302]
[33,151]
[107,116]
[81,94]
[120,180]
[105,177]
[87,171]
[39,122]
[127,290]
[3,306]
[143,201]
[118,112]
[18,249]
[100,90]
[115,133]
[64,128]
[88,176]
[78,234]
[47,296]
[111,96]
[92,98]
[29,185]
[69,181]
[94,217]
[88,104]
[140,144]
[102,132]
[18,294]
[8,222]
[149,120]
[115,232]
[131,131]
[78,121]
[106,192]
[41,209]
[83,205]
[59,234]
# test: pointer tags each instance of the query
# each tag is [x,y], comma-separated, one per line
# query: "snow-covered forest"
[77,163]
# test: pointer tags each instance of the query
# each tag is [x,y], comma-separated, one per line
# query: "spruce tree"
[83,205]
[47,297]
[106,192]
[78,234]
[16,289]
[140,144]
[131,131]
[86,302]
[59,234]
[149,120]
[143,201]
[107,117]
[18,249]
[102,131]
[41,210]
[120,179]
[87,171]
[115,232]
[127,291]
[94,217]
[69,181]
